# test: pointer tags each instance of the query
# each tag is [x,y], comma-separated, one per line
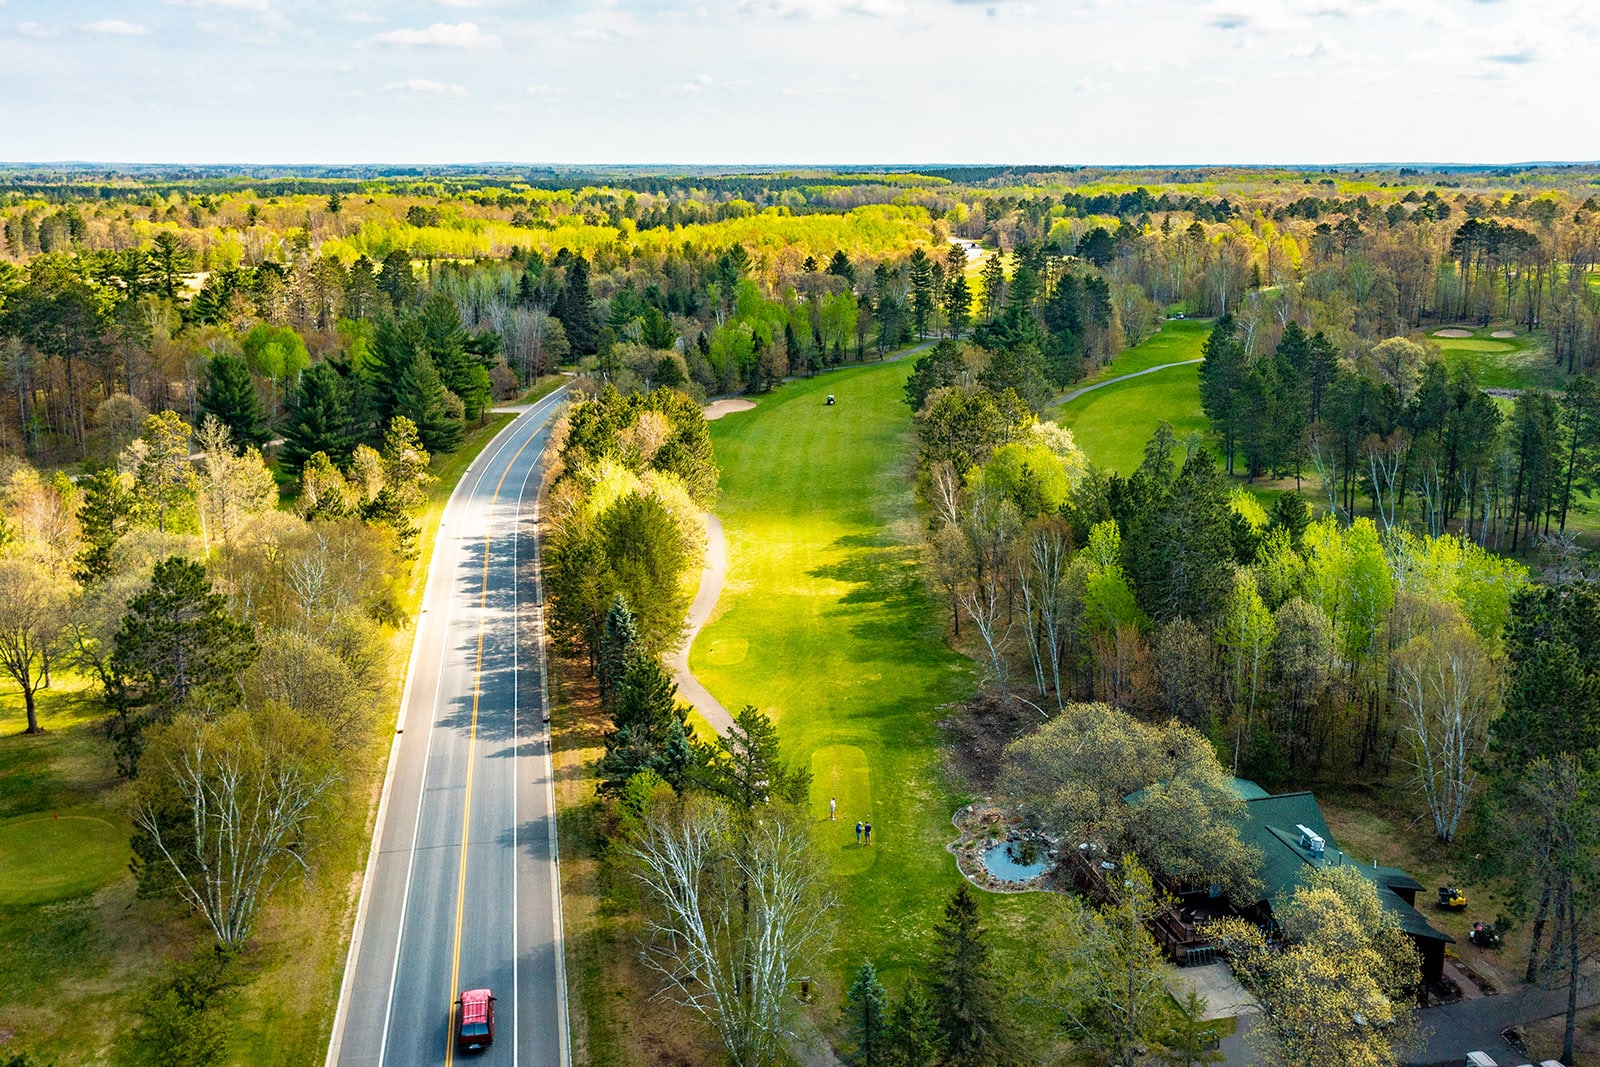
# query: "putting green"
[54,857]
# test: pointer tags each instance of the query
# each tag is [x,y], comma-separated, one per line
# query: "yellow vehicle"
[1451,898]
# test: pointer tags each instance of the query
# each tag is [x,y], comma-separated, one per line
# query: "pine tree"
[841,267]
[867,1007]
[421,396]
[618,647]
[107,511]
[230,394]
[1221,377]
[745,767]
[650,729]
[958,305]
[912,1036]
[920,268]
[319,419]
[974,1027]
[943,366]
[575,308]
[177,644]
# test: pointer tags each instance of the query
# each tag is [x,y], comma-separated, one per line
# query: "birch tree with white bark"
[229,813]
[735,910]
[1447,684]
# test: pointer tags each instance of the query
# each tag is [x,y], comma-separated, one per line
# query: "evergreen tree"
[575,308]
[958,305]
[1221,377]
[942,366]
[649,729]
[911,1038]
[974,1026]
[319,419]
[1289,512]
[230,395]
[1019,368]
[463,362]
[920,268]
[422,397]
[867,1006]
[745,766]
[618,647]
[396,279]
[106,512]
[840,267]
[176,645]
[994,287]
[1178,544]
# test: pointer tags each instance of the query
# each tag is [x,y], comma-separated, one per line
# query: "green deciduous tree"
[1341,990]
[33,615]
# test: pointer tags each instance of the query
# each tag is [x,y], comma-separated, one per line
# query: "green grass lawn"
[1518,362]
[1113,424]
[824,625]
[1176,340]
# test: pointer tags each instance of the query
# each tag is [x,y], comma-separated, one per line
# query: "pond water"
[1002,862]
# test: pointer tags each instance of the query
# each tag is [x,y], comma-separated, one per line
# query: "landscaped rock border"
[982,825]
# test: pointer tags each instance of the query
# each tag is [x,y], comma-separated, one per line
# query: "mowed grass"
[1518,362]
[1112,424]
[824,625]
[1175,341]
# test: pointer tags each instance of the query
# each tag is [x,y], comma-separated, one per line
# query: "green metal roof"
[1248,790]
[1272,824]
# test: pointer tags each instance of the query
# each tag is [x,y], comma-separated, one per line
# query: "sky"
[730,82]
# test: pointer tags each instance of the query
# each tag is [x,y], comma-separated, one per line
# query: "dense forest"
[220,393]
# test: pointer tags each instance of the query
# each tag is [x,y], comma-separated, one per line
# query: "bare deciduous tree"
[246,792]
[1448,685]
[734,914]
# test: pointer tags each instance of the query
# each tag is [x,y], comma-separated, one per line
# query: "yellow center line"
[472,744]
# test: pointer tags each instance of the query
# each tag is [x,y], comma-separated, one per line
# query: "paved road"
[471,762]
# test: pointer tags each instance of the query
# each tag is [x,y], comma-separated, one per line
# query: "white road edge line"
[340,1015]
[562,1021]
[516,740]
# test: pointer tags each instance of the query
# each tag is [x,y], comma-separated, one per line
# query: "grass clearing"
[1518,362]
[1174,341]
[1112,424]
[841,647]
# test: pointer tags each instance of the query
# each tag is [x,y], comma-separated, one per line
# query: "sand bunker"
[718,408]
[1502,334]
[1452,333]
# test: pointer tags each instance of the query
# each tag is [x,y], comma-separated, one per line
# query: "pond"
[1004,861]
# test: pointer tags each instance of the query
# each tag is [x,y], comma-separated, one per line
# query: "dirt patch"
[718,408]
[1503,334]
[1452,333]
[977,734]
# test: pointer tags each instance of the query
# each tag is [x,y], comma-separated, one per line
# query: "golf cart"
[1451,898]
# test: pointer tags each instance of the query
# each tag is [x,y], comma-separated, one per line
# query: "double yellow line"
[472,744]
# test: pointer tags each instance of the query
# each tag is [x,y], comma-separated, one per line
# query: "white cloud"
[822,9]
[425,86]
[38,30]
[548,92]
[231,5]
[461,3]
[117,28]
[439,35]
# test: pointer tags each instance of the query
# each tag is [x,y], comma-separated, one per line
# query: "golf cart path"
[805,1043]
[712,575]
[1076,393]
